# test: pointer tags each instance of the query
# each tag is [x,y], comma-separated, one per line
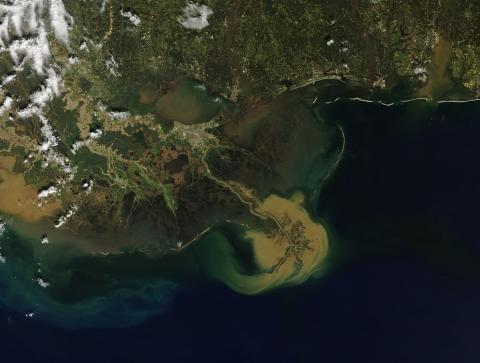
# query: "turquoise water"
[404,186]
[121,290]
[402,282]
[122,303]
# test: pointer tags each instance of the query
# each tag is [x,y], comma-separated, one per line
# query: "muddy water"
[439,82]
[18,199]
[81,267]
[275,256]
[140,236]
[20,205]
[187,102]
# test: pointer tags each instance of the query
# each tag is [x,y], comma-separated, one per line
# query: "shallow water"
[189,102]
[223,263]
[19,199]
[400,215]
[87,277]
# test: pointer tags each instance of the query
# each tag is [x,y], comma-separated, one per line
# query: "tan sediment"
[289,255]
[292,254]
[109,32]
[148,94]
[18,199]
[74,102]
[242,130]
[438,81]
[9,135]
[172,106]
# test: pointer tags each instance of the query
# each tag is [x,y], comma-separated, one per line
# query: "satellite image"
[239,181]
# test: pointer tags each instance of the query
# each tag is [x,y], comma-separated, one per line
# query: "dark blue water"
[403,210]
[378,311]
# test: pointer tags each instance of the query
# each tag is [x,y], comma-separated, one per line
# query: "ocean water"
[403,283]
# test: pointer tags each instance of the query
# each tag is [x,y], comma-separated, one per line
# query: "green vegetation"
[255,49]
[155,113]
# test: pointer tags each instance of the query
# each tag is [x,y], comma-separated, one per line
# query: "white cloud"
[72,60]
[134,19]
[26,16]
[42,283]
[47,192]
[83,46]
[29,111]
[77,145]
[102,8]
[88,186]
[6,105]
[112,66]
[49,138]
[421,73]
[24,28]
[419,70]
[34,50]
[195,16]
[8,78]
[68,214]
[116,115]
[48,91]
[58,20]
[96,134]
[2,227]
[93,135]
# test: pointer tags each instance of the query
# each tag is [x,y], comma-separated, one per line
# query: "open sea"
[402,211]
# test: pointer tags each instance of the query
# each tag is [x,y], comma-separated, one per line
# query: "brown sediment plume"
[172,106]
[289,255]
[148,94]
[439,82]
[188,102]
[19,199]
[243,129]
[296,248]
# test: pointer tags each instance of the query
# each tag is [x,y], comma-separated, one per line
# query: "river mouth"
[78,268]
[389,189]
[439,82]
